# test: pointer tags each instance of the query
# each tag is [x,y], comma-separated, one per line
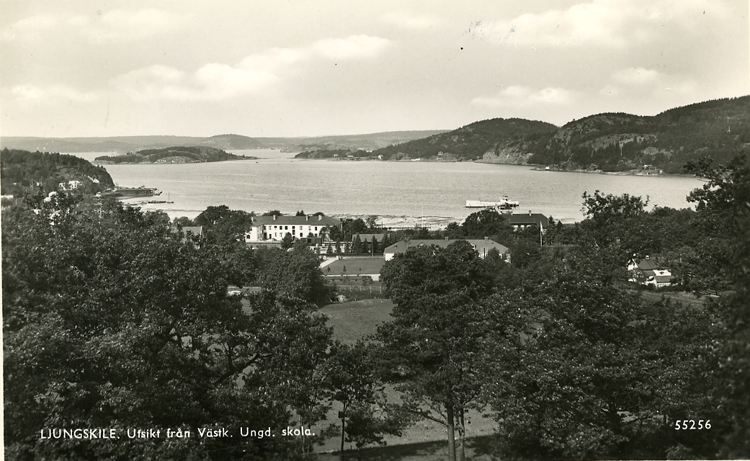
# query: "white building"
[274,228]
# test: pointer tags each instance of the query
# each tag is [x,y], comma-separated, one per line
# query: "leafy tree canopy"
[111,320]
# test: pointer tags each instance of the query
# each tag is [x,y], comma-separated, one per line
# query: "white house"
[649,271]
[274,228]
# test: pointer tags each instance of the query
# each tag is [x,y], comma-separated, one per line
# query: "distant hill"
[618,141]
[182,154]
[353,142]
[505,139]
[232,142]
[602,142]
[22,171]
[123,144]
[108,144]
[128,143]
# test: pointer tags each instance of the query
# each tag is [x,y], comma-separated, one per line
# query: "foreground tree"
[294,273]
[579,368]
[484,223]
[112,321]
[430,349]
[350,379]
[723,206]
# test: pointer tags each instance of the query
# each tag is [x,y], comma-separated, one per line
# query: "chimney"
[529,212]
[320,217]
[307,217]
[274,217]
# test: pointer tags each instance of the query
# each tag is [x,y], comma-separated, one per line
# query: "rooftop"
[311,220]
[481,245]
[527,219]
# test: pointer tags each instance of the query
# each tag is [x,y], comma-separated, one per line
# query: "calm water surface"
[435,190]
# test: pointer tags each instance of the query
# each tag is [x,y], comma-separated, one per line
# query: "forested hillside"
[602,142]
[471,142]
[192,154]
[616,142]
[22,170]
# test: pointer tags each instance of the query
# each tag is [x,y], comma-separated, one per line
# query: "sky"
[313,68]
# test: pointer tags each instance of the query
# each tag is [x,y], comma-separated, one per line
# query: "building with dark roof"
[482,246]
[523,220]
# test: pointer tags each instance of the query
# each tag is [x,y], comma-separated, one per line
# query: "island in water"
[180,154]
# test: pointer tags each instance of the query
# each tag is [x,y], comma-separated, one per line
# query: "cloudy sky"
[304,68]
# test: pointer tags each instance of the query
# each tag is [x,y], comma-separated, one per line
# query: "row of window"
[287,227]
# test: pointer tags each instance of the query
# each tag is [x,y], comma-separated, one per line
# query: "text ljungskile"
[179,433]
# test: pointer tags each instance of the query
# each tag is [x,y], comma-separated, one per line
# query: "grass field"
[680,297]
[357,319]
[355,266]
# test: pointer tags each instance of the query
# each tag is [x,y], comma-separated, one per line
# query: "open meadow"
[424,440]
[354,320]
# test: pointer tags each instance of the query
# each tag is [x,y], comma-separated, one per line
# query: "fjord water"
[435,190]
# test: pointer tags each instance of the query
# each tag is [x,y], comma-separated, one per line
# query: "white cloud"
[636,76]
[273,58]
[221,81]
[610,91]
[638,80]
[133,25]
[521,96]
[411,22]
[32,27]
[50,93]
[153,82]
[114,25]
[354,46]
[255,73]
[601,23]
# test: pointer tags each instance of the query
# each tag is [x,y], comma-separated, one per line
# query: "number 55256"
[691,424]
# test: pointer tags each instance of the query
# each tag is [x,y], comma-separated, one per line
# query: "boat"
[503,204]
[129,192]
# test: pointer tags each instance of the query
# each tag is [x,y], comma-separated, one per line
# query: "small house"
[524,220]
[650,272]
